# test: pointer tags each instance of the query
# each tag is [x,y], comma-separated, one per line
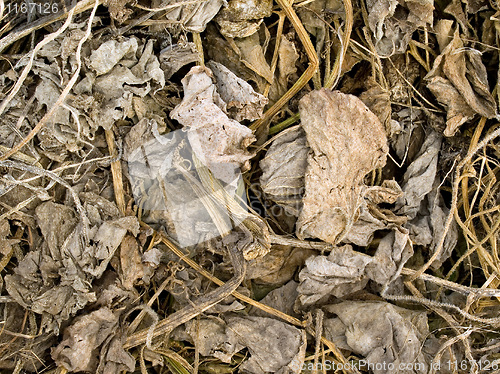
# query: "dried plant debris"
[347,141]
[145,226]
[215,138]
[240,18]
[345,271]
[459,80]
[382,333]
[273,346]
[91,344]
[284,169]
[242,102]
[393,23]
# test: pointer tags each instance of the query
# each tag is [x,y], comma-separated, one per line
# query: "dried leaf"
[274,346]
[242,102]
[241,18]
[215,138]
[383,333]
[194,16]
[78,351]
[347,142]
[284,168]
[393,22]
[459,81]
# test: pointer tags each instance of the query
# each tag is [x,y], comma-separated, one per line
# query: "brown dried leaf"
[194,16]
[459,81]
[274,346]
[347,141]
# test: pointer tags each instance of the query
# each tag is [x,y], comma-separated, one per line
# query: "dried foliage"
[247,186]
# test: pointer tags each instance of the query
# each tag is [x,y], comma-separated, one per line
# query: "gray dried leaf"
[313,24]
[345,271]
[46,94]
[104,58]
[393,22]
[215,138]
[347,141]
[278,266]
[426,228]
[6,244]
[284,168]
[419,177]
[79,349]
[195,16]
[241,18]
[242,102]
[274,346]
[107,239]
[252,55]
[459,81]
[281,298]
[383,333]
[176,56]
[340,273]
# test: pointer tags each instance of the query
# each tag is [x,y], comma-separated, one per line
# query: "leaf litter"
[249,186]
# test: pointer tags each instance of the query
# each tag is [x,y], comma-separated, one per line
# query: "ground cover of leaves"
[212,186]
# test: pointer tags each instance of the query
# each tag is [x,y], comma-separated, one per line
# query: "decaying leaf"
[195,16]
[56,280]
[242,102]
[459,81]
[173,57]
[274,346]
[393,22]
[345,271]
[242,18]
[214,137]
[382,333]
[284,168]
[83,344]
[347,141]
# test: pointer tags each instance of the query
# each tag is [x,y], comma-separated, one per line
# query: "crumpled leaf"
[345,271]
[371,217]
[194,16]
[284,168]
[104,58]
[347,141]
[6,244]
[214,137]
[278,266]
[56,280]
[420,175]
[340,273]
[241,18]
[459,81]
[381,332]
[242,102]
[313,24]
[274,346]
[423,204]
[80,347]
[173,57]
[393,22]
[281,298]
